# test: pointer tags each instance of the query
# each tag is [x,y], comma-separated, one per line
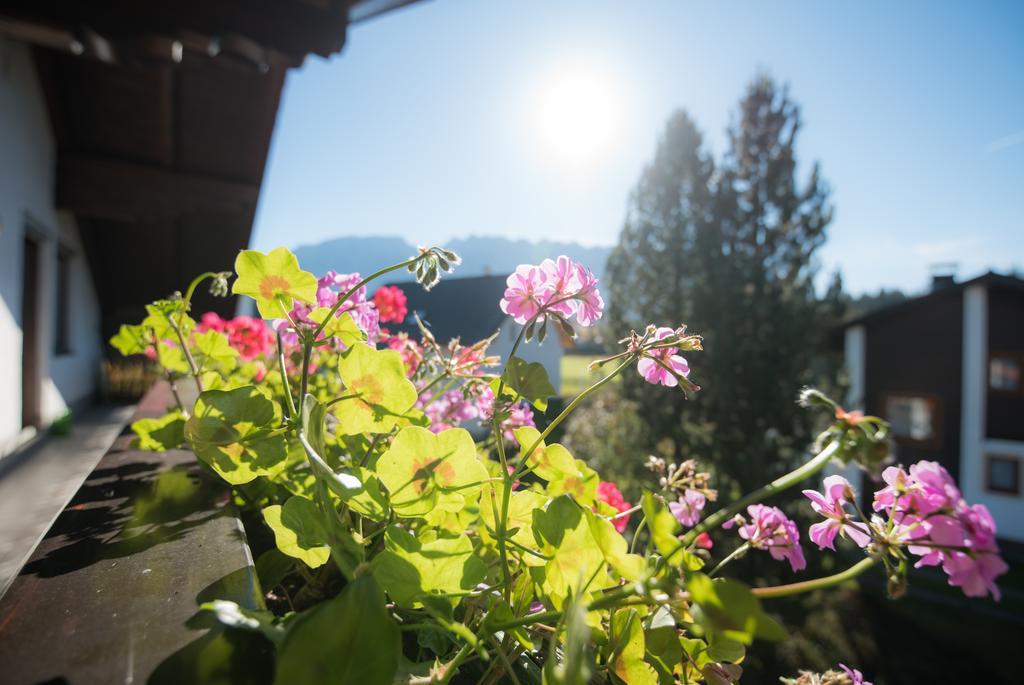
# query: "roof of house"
[162,112]
[988,279]
[465,308]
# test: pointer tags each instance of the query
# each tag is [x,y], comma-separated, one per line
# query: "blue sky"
[426,126]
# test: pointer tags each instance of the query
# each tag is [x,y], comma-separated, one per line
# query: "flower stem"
[344,298]
[781,483]
[284,379]
[817,583]
[735,554]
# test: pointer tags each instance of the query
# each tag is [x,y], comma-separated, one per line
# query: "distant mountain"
[481,255]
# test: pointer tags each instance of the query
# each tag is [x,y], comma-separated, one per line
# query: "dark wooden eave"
[163,112]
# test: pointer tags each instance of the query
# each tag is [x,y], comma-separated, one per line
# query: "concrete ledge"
[111,593]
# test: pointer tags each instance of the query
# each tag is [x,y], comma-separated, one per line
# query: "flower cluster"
[449,409]
[922,511]
[247,334]
[690,487]
[663,365]
[845,676]
[475,400]
[658,357]
[608,493]
[391,304]
[330,288]
[771,530]
[831,504]
[559,288]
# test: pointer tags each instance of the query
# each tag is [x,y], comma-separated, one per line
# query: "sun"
[578,114]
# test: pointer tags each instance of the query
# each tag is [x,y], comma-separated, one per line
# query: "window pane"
[911,417]
[1004,373]
[1003,474]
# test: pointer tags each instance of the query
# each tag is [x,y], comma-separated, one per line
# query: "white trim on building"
[63,377]
[1006,509]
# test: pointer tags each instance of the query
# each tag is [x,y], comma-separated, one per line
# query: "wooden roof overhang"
[163,113]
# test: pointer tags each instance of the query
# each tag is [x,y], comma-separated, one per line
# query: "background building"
[133,139]
[945,370]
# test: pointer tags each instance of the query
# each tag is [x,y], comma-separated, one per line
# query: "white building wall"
[1007,510]
[854,358]
[27,164]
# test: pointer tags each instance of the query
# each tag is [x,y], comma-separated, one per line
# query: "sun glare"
[578,114]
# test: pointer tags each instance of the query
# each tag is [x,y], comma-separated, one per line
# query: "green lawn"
[575,376]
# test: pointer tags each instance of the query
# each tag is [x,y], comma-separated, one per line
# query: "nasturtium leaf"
[575,557]
[272,567]
[342,327]
[233,615]
[721,648]
[131,340]
[582,484]
[662,524]
[664,653]
[628,661]
[299,530]
[171,357]
[212,351]
[614,548]
[345,640]
[274,280]
[423,470]
[521,505]
[369,498]
[556,465]
[729,608]
[528,380]
[453,521]
[409,568]
[160,434]
[383,396]
[230,431]
[550,462]
[165,318]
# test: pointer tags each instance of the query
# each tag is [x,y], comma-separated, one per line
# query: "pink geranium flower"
[689,507]
[391,304]
[663,365]
[609,493]
[589,303]
[856,677]
[557,286]
[830,505]
[525,293]
[928,514]
[771,530]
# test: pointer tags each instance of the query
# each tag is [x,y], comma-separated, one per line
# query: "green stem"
[193,367]
[307,352]
[569,408]
[453,665]
[195,284]
[284,378]
[344,298]
[781,483]
[817,583]
[735,554]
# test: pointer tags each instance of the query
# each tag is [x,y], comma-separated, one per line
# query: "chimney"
[943,275]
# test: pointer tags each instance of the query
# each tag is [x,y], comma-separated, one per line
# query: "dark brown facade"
[915,349]
[163,113]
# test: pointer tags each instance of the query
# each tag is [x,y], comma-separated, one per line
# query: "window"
[1002,474]
[913,417]
[62,329]
[1004,372]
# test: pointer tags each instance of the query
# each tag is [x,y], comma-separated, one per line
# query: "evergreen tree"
[731,253]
